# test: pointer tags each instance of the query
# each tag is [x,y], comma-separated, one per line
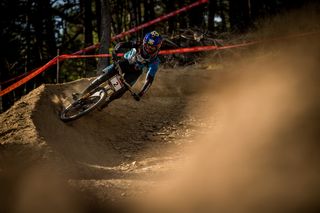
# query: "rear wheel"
[83,105]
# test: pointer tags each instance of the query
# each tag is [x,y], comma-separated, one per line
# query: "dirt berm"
[242,137]
[238,136]
[105,153]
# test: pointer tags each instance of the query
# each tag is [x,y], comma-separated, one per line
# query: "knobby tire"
[83,105]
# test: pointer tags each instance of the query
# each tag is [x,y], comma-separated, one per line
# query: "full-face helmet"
[152,42]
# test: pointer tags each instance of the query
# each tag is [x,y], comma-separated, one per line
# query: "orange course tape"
[163,52]
[95,46]
[28,77]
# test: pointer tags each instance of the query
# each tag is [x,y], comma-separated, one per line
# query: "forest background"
[32,32]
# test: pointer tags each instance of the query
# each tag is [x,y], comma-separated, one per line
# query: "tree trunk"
[6,101]
[239,15]
[37,56]
[222,13]
[183,18]
[172,22]
[140,32]
[106,33]
[49,37]
[148,13]
[255,9]
[90,63]
[212,12]
[133,13]
[98,17]
[196,16]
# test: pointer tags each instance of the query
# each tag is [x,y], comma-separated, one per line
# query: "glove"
[114,56]
[136,97]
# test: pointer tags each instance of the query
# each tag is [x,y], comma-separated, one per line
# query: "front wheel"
[83,106]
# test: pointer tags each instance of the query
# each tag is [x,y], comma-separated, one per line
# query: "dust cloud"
[263,153]
[41,189]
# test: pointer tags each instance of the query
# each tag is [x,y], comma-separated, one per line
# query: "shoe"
[104,105]
[75,96]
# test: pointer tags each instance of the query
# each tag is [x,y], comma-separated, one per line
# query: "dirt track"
[241,137]
[113,154]
[247,141]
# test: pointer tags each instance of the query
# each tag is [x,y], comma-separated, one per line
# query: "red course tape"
[162,52]
[95,46]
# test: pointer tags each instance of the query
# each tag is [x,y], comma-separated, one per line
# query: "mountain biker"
[139,56]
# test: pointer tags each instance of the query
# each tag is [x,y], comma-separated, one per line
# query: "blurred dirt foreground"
[239,134]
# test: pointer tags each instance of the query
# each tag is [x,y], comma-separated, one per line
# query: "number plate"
[116,83]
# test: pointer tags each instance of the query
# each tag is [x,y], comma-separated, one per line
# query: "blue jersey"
[140,62]
[138,59]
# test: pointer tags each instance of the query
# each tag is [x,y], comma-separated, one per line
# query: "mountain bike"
[97,94]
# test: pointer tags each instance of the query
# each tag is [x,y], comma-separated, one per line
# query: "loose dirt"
[109,156]
[238,133]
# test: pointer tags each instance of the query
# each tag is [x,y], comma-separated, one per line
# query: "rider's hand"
[114,56]
[136,97]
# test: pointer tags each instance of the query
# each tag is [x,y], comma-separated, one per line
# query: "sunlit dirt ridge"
[109,156]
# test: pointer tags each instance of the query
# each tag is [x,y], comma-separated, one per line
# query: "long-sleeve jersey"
[137,57]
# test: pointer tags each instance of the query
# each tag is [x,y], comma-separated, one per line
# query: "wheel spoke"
[82,106]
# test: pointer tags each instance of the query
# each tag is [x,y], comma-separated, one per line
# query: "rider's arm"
[146,86]
[126,45]
[153,68]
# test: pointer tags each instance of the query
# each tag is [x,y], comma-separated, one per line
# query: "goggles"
[150,48]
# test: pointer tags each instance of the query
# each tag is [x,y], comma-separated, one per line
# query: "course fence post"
[58,65]
[0,101]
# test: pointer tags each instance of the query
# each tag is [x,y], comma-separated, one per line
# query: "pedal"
[104,105]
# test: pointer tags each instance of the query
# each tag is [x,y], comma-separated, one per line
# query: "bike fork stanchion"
[126,83]
[129,88]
